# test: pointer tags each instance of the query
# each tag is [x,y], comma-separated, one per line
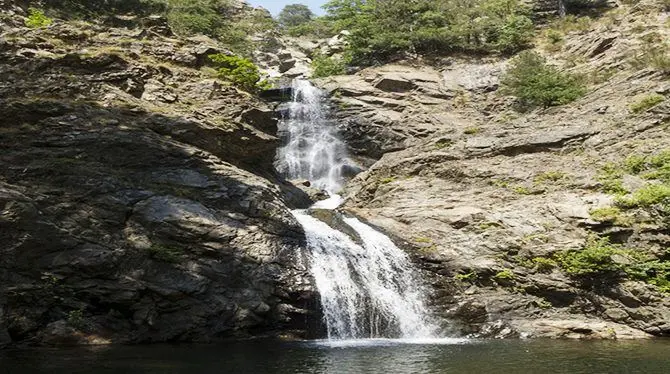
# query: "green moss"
[550,176]
[442,143]
[647,196]
[521,190]
[612,215]
[472,130]
[611,179]
[646,103]
[388,180]
[166,254]
[421,239]
[467,277]
[506,274]
[544,265]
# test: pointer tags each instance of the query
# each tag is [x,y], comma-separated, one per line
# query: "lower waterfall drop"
[367,285]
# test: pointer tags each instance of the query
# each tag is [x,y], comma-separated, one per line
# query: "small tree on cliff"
[295,15]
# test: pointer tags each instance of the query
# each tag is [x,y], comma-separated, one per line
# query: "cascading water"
[368,289]
[312,150]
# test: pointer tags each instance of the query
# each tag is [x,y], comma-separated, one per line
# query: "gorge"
[407,203]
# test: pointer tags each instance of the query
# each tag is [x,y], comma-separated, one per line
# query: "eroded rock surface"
[477,191]
[138,201]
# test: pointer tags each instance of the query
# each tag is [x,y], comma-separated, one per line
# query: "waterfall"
[311,148]
[368,287]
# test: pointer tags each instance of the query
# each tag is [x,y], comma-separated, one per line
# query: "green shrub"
[647,196]
[596,258]
[37,18]
[646,103]
[601,258]
[544,264]
[535,83]
[240,71]
[75,318]
[324,66]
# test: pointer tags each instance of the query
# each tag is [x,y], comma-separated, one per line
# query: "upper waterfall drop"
[367,286]
[311,148]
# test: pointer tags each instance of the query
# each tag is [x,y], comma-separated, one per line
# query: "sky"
[275,6]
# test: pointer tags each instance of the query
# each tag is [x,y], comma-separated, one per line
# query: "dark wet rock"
[277,94]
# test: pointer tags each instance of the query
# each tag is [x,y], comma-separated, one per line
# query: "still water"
[384,357]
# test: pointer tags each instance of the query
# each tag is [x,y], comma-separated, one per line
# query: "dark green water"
[260,357]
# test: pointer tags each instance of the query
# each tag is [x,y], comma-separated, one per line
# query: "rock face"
[477,191]
[137,197]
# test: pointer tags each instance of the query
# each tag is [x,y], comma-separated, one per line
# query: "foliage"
[324,66]
[550,176]
[601,258]
[382,30]
[646,103]
[318,27]
[596,258]
[467,277]
[544,264]
[535,83]
[240,71]
[654,54]
[472,130]
[37,18]
[295,15]
[611,179]
[648,196]
[218,19]
[656,166]
[611,214]
[166,254]
[75,318]
[506,274]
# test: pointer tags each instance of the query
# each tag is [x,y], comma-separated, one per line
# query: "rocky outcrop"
[477,191]
[138,201]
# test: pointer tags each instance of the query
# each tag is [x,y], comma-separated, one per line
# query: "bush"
[594,259]
[383,30]
[324,66]
[535,83]
[240,71]
[37,18]
[646,103]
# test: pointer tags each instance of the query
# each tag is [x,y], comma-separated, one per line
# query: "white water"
[312,150]
[368,290]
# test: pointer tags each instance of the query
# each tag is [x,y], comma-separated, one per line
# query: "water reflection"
[373,357]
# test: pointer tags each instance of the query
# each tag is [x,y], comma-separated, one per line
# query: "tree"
[295,15]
